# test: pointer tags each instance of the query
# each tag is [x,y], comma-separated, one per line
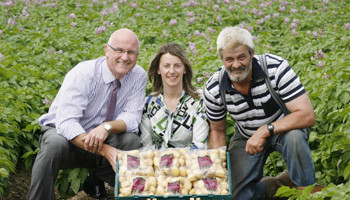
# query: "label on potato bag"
[174,187]
[204,162]
[138,184]
[166,160]
[133,162]
[210,183]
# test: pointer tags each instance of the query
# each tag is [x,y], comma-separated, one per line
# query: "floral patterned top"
[187,126]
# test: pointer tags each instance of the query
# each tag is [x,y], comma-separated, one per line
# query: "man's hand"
[111,154]
[94,140]
[255,143]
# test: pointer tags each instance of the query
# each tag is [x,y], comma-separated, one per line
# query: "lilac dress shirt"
[81,103]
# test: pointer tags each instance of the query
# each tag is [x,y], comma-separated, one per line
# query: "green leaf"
[347,172]
[4,173]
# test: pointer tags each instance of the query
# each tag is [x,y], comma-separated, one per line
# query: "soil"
[19,186]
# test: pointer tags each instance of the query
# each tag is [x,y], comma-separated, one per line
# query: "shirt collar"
[257,74]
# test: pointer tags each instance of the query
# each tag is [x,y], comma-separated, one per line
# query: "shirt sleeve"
[132,111]
[73,100]
[146,128]
[288,82]
[212,99]
[200,127]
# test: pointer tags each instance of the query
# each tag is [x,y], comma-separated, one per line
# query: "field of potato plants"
[41,40]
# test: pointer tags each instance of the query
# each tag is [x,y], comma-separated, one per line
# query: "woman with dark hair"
[174,114]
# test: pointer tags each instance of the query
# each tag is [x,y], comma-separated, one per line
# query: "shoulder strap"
[273,93]
[222,93]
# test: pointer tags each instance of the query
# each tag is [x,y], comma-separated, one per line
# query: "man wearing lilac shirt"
[75,133]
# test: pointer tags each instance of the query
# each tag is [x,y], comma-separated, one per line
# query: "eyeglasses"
[122,51]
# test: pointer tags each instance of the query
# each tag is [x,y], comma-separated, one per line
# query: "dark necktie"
[112,101]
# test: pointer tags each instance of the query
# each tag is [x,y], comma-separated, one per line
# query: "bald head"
[126,34]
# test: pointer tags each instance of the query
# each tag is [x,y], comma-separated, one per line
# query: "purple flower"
[320,64]
[276,15]
[46,101]
[122,1]
[73,24]
[132,20]
[200,79]
[293,25]
[133,5]
[190,14]
[95,1]
[284,3]
[303,8]
[11,21]
[72,16]
[267,17]
[103,13]
[293,10]
[218,18]
[100,30]
[193,49]
[286,20]
[197,33]
[24,12]
[164,34]
[268,46]
[106,23]
[346,26]
[315,34]
[325,76]
[2,57]
[308,32]
[206,74]
[60,51]
[294,32]
[227,1]
[172,22]
[211,49]
[115,7]
[282,9]
[216,7]
[1,33]
[20,28]
[260,21]
[319,54]
[231,8]
[137,14]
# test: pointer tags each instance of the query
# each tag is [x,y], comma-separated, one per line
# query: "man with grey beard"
[261,126]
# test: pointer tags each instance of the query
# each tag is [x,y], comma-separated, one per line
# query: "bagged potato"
[170,162]
[136,185]
[206,163]
[173,186]
[137,162]
[213,185]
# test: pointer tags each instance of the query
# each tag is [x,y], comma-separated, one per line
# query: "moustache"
[241,68]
